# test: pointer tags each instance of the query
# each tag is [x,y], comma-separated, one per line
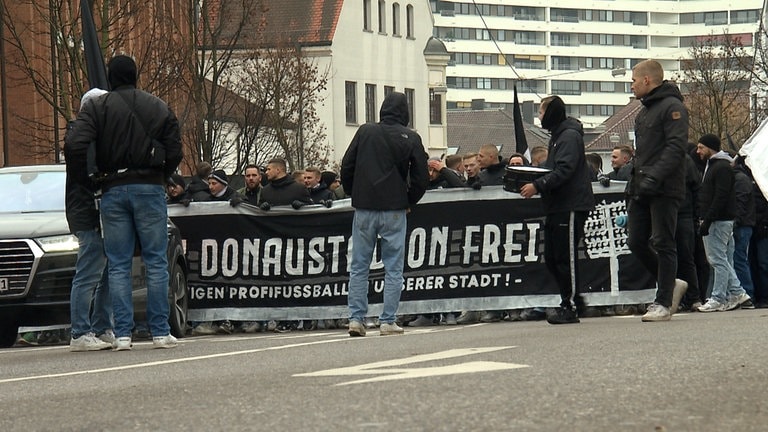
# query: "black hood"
[121,71]
[666,89]
[394,109]
[569,123]
[554,115]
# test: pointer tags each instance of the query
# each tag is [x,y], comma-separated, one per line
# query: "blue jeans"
[130,212]
[366,227]
[742,236]
[718,245]
[90,284]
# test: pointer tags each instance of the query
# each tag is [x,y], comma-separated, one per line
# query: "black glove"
[185,202]
[704,228]
[265,206]
[327,203]
[604,180]
[296,204]
[236,201]
[476,185]
[647,186]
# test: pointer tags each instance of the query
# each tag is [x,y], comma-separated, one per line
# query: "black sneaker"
[563,315]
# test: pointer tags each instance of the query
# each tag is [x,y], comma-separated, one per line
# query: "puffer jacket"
[661,136]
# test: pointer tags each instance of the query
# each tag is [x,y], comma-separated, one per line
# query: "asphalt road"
[699,372]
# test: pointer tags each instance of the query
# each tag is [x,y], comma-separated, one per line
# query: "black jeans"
[562,233]
[686,264]
[651,238]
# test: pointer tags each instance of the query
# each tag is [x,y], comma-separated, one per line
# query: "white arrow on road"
[388,370]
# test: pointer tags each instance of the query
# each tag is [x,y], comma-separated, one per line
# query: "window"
[561,39]
[564,15]
[528,38]
[435,107]
[483,59]
[607,86]
[745,16]
[482,34]
[367,15]
[409,21]
[370,103]
[396,19]
[410,97]
[566,87]
[564,63]
[483,83]
[350,103]
[388,90]
[382,16]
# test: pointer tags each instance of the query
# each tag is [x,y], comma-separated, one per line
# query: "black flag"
[521,143]
[97,71]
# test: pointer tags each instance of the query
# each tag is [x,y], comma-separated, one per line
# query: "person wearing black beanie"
[567,198]
[122,71]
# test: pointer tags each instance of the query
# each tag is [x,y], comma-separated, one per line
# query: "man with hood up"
[657,186]
[717,210]
[566,193]
[385,171]
[138,146]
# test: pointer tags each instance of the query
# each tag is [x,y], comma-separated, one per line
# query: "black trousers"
[686,264]
[562,233]
[651,227]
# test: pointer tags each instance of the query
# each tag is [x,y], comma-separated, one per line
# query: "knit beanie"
[554,115]
[121,71]
[711,141]
[178,181]
[220,176]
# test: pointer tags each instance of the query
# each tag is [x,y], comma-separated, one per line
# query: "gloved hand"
[647,186]
[476,186]
[604,180]
[265,206]
[296,204]
[185,202]
[326,203]
[704,227]
[236,201]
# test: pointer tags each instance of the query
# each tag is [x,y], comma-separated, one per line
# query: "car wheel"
[9,330]
[178,301]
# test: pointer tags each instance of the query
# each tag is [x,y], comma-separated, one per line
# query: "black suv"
[38,256]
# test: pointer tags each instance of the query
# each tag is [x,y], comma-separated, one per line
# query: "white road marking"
[386,370]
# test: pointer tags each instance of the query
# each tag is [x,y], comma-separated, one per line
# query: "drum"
[516,176]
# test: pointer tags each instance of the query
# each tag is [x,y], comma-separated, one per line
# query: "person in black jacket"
[492,168]
[218,188]
[442,177]
[685,238]
[91,326]
[198,184]
[138,145]
[717,206]
[282,188]
[385,171]
[566,193]
[743,225]
[176,191]
[318,190]
[657,186]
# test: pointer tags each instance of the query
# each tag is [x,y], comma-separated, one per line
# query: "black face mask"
[554,115]
[121,71]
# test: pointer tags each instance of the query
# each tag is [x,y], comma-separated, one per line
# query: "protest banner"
[465,250]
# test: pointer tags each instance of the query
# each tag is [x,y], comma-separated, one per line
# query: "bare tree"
[716,88]
[757,67]
[48,51]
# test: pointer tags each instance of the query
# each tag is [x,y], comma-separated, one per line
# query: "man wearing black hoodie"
[385,171]
[566,193]
[657,186]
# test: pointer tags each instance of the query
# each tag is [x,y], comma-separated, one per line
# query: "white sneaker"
[390,329]
[736,301]
[678,292]
[88,342]
[656,312]
[108,336]
[164,342]
[122,344]
[712,305]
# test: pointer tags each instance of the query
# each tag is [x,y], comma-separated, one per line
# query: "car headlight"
[61,243]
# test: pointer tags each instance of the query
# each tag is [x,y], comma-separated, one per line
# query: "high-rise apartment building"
[581,50]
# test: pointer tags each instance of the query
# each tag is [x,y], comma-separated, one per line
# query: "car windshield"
[30,191]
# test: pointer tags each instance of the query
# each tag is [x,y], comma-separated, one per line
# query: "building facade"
[583,51]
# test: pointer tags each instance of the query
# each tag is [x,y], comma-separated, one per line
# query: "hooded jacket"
[567,187]
[284,191]
[661,136]
[717,200]
[385,166]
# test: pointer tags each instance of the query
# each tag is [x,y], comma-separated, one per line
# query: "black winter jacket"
[717,200]
[321,193]
[661,136]
[385,166]
[80,206]
[492,175]
[284,191]
[251,196]
[567,187]
[448,178]
[688,208]
[743,188]
[116,121]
